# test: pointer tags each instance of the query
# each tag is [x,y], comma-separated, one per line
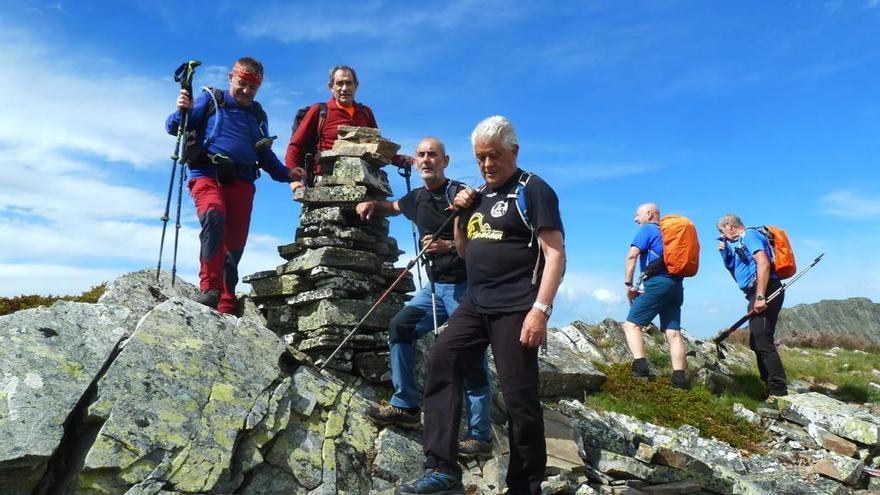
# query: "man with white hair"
[515,259]
[663,295]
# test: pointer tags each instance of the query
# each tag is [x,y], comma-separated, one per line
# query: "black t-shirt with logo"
[429,208]
[501,253]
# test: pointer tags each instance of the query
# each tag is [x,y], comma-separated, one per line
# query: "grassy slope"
[659,403]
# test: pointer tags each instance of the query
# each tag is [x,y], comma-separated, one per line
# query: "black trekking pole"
[183,75]
[436,235]
[406,173]
[719,339]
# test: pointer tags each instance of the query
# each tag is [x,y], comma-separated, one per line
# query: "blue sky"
[765,109]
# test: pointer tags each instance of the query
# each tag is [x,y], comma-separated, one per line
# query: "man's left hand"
[534,329]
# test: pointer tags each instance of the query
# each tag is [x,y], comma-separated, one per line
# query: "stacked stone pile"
[338,264]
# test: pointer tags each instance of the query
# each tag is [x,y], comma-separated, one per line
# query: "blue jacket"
[239,128]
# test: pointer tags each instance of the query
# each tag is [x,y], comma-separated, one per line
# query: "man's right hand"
[184,101]
[465,198]
[721,246]
[365,209]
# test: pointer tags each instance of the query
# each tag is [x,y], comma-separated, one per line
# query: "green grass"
[659,403]
[12,304]
[849,370]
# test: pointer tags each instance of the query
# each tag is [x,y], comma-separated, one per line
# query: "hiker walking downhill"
[663,295]
[514,264]
[747,255]
[226,147]
[429,207]
[319,127]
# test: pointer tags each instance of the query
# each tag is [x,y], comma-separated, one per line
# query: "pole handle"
[184,74]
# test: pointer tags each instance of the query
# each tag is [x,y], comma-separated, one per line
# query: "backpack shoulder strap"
[218,100]
[519,195]
[262,119]
[369,111]
[322,117]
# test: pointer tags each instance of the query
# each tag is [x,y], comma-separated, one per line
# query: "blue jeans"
[409,325]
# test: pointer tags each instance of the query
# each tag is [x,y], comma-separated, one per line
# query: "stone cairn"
[338,264]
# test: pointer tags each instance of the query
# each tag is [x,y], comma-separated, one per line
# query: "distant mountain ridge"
[858,316]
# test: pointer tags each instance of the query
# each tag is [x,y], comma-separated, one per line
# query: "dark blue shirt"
[233,131]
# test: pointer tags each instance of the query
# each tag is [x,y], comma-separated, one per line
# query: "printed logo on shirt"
[476,229]
[499,209]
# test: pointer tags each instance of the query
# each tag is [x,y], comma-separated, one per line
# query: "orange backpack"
[681,247]
[783,256]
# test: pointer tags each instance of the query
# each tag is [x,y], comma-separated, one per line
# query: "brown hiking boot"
[471,448]
[209,298]
[393,415]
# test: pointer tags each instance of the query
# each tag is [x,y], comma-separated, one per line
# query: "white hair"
[495,128]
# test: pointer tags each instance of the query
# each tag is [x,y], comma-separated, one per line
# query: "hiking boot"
[679,380]
[209,297]
[471,448]
[393,415]
[433,481]
[640,370]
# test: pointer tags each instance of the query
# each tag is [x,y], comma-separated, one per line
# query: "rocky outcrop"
[49,358]
[856,316]
[184,400]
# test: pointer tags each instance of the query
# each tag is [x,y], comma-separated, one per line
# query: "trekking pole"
[433,299]
[436,235]
[719,339]
[406,173]
[183,75]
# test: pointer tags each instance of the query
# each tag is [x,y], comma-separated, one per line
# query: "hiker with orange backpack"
[757,267]
[667,251]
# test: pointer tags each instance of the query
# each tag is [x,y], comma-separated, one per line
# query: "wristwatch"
[547,310]
[759,297]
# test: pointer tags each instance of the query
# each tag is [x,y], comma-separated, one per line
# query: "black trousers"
[762,328]
[460,348]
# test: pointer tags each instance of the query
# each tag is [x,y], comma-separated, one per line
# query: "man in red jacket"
[316,133]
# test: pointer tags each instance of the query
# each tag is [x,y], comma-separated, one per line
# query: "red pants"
[225,215]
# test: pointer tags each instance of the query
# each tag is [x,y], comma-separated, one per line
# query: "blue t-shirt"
[739,257]
[650,245]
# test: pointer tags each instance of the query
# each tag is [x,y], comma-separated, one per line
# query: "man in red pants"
[226,147]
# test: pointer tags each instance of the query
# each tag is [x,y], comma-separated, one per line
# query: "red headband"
[251,77]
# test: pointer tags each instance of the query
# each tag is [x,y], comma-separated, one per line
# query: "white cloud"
[850,204]
[73,209]
[606,296]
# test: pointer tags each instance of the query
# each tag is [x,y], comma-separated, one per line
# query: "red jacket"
[302,140]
